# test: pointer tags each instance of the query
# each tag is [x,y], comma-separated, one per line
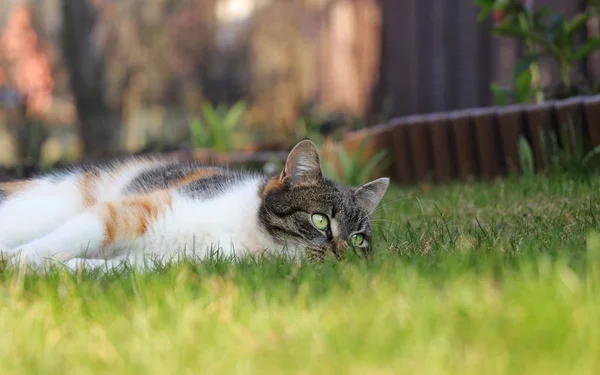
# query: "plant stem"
[534,69]
[565,73]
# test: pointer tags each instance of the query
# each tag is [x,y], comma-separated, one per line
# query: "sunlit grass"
[465,279]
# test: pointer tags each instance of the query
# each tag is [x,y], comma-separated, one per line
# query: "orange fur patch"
[87,186]
[197,175]
[274,183]
[14,186]
[131,217]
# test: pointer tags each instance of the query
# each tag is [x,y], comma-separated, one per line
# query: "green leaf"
[499,96]
[361,150]
[555,28]
[345,162]
[589,47]
[523,86]
[539,16]
[234,115]
[591,156]
[221,109]
[526,157]
[487,6]
[502,94]
[213,125]
[578,22]
[506,29]
[516,32]
[524,64]
[198,133]
[483,15]
[370,165]
[330,171]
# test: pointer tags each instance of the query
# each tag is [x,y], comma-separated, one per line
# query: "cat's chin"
[319,254]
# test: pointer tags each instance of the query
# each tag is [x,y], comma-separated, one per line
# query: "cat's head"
[301,205]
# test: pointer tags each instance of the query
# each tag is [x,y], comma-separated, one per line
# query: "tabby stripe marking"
[197,175]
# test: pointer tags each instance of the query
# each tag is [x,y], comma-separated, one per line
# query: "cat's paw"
[25,256]
[76,265]
[33,255]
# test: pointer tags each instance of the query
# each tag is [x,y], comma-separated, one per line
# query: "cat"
[105,216]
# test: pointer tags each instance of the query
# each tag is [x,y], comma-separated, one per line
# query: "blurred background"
[87,79]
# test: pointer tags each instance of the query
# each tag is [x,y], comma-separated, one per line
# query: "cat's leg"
[33,208]
[139,263]
[92,234]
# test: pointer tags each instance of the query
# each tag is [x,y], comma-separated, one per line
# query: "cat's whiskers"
[381,207]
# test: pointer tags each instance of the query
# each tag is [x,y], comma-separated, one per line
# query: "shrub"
[545,34]
[216,127]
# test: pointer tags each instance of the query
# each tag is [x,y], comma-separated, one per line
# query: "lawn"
[499,278]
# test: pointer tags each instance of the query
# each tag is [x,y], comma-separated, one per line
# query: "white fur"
[38,210]
[335,228]
[48,223]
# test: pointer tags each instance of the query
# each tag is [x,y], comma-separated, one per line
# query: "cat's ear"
[369,195]
[303,164]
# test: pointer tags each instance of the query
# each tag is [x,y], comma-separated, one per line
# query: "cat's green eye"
[320,221]
[357,239]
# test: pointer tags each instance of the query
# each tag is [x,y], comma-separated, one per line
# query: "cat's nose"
[339,247]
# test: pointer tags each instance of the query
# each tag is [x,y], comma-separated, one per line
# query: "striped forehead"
[347,217]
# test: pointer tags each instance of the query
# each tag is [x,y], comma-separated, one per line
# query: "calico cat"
[106,216]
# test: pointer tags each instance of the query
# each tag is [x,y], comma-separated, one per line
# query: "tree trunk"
[99,125]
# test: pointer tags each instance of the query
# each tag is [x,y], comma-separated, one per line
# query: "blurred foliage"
[353,169]
[316,124]
[561,153]
[526,158]
[164,60]
[545,33]
[217,125]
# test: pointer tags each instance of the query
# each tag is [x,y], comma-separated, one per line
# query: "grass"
[480,278]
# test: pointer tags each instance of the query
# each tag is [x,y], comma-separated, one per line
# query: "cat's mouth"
[335,251]
[319,254]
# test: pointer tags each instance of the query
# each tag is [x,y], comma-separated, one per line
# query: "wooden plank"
[420,147]
[463,132]
[541,122]
[592,116]
[467,54]
[398,84]
[438,12]
[426,55]
[489,148]
[512,125]
[401,163]
[571,124]
[453,55]
[444,156]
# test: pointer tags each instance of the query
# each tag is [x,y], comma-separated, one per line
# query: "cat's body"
[156,209]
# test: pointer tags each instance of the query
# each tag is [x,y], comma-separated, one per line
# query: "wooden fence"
[479,143]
